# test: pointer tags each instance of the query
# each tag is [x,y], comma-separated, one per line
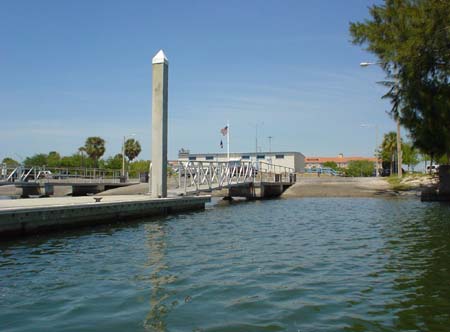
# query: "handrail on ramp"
[215,175]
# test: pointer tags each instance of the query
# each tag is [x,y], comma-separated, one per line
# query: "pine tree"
[411,39]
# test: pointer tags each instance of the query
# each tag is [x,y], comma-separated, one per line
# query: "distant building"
[294,160]
[340,160]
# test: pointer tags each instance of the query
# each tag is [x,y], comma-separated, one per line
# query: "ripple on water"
[282,265]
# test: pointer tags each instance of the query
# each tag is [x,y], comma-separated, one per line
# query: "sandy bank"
[341,187]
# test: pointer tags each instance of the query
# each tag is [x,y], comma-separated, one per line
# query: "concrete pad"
[339,187]
[25,216]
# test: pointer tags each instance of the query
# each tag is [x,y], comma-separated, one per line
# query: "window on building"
[192,158]
[260,156]
[245,157]
[209,158]
[279,156]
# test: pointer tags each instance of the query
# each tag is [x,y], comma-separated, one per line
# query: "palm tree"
[388,148]
[132,148]
[95,148]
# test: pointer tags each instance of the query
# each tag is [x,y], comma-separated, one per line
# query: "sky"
[73,69]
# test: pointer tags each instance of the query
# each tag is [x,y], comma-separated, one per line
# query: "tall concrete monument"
[160,81]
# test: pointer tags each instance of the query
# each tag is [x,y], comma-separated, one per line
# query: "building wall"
[294,160]
[299,163]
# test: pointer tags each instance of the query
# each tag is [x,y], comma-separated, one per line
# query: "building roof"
[243,153]
[337,160]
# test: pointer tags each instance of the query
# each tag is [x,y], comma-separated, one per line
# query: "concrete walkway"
[24,216]
[35,203]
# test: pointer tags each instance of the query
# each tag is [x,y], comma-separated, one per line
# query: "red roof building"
[340,160]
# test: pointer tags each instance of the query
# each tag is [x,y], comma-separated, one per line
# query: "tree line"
[90,156]
[387,154]
[355,168]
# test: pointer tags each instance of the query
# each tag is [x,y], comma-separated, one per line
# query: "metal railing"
[60,174]
[85,174]
[209,175]
[323,170]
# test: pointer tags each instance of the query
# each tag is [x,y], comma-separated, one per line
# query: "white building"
[295,160]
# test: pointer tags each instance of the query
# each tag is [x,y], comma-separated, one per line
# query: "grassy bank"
[410,181]
[397,184]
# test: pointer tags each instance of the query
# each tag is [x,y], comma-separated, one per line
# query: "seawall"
[27,216]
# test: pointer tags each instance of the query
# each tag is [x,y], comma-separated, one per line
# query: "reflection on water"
[8,197]
[159,278]
[283,265]
[422,267]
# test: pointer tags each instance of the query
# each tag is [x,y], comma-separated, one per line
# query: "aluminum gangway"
[40,181]
[58,174]
[200,176]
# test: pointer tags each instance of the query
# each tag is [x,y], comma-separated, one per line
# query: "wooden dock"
[26,216]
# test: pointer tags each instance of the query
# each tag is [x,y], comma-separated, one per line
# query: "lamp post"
[399,142]
[256,134]
[377,165]
[256,139]
[123,153]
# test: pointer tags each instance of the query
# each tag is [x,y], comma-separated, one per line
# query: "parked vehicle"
[432,169]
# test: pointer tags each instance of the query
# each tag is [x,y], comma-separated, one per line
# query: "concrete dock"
[26,216]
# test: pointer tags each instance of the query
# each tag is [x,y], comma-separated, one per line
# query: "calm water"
[282,265]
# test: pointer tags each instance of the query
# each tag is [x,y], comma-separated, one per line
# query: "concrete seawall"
[27,216]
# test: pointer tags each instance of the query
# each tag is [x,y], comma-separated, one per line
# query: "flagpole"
[228,141]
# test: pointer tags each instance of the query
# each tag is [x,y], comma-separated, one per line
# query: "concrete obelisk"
[159,124]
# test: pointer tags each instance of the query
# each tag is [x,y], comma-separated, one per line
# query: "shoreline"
[347,187]
[304,187]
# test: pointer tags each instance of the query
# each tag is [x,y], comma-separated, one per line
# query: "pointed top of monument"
[160,57]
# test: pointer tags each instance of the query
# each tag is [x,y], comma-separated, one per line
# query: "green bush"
[360,168]
[330,164]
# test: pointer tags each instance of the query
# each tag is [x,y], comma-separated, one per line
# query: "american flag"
[224,130]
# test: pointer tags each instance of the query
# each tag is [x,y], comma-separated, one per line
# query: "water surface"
[283,265]
[7,197]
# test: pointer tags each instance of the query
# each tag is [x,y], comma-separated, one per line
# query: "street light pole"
[256,135]
[399,142]
[123,157]
[399,150]
[256,139]
[376,145]
[376,154]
